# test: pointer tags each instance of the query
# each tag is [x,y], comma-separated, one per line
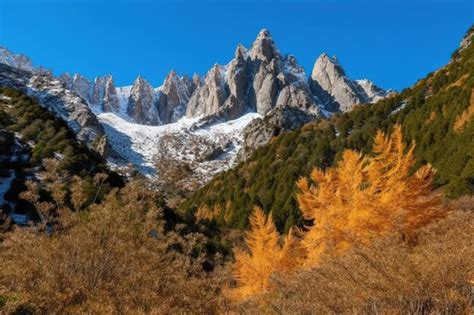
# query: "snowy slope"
[206,150]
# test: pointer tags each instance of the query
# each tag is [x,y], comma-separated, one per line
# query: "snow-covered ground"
[206,150]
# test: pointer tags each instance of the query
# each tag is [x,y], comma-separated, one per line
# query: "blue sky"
[394,43]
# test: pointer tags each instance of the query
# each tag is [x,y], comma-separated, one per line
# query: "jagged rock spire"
[142,106]
[174,95]
[263,48]
[330,84]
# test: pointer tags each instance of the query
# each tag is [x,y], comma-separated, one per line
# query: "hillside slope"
[437,113]
[29,136]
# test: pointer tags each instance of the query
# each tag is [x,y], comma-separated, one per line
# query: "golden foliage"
[204,212]
[387,276]
[360,200]
[252,269]
[366,197]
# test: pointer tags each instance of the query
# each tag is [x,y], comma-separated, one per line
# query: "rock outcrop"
[142,103]
[253,80]
[280,119]
[337,92]
[16,60]
[174,95]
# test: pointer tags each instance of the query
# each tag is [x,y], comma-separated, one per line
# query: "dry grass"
[114,258]
[433,276]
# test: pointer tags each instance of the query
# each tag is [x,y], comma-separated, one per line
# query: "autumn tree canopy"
[252,269]
[362,198]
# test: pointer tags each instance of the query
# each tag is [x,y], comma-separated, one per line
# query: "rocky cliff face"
[330,84]
[257,80]
[146,105]
[280,119]
[100,95]
[174,96]
[142,103]
[16,60]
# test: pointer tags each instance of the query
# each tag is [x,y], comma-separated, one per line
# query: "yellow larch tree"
[364,197]
[265,256]
[361,198]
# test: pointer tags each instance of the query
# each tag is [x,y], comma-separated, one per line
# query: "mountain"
[339,93]
[15,60]
[174,96]
[437,113]
[256,80]
[201,124]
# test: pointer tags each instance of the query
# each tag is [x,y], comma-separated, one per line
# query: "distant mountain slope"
[437,112]
[53,95]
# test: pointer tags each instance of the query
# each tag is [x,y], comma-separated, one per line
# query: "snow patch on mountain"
[207,150]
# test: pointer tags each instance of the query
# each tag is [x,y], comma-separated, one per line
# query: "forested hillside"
[437,113]
[31,140]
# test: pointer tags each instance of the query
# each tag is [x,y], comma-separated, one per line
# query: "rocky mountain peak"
[110,102]
[197,80]
[326,65]
[172,75]
[142,103]
[140,81]
[337,92]
[240,52]
[15,60]
[263,48]
[174,95]
[81,85]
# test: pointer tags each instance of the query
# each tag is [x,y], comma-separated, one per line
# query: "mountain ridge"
[258,83]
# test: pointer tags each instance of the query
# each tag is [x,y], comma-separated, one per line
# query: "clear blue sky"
[391,42]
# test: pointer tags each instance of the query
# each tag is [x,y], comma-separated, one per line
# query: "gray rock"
[264,48]
[15,60]
[337,92]
[280,119]
[174,95]
[142,104]
[209,98]
[252,81]
[110,102]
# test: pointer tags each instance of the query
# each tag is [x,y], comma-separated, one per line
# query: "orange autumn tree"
[265,256]
[367,196]
[361,198]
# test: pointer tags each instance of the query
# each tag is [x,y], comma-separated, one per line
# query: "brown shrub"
[433,276]
[114,258]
